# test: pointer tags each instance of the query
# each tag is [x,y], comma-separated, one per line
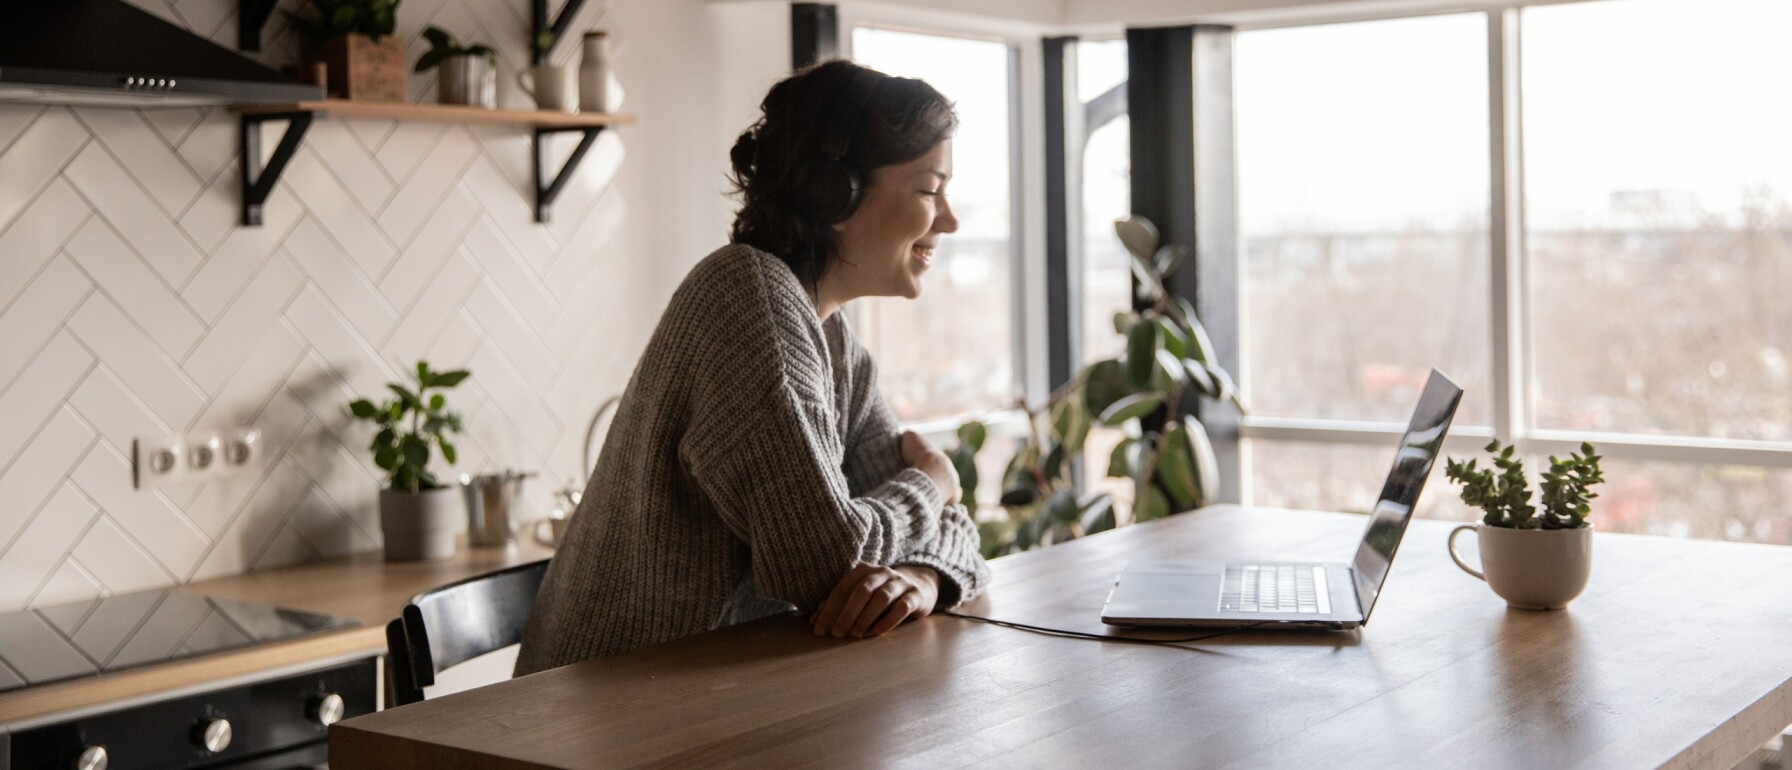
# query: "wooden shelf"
[451,113]
[258,178]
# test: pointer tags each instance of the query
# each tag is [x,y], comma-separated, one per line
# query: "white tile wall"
[132,305]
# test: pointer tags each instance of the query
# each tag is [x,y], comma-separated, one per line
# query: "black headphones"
[832,191]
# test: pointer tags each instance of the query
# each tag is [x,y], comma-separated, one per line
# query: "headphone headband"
[848,110]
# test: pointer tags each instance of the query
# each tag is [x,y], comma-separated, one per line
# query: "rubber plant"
[1166,452]
[1503,494]
[411,422]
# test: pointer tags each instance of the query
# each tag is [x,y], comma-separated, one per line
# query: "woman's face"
[888,242]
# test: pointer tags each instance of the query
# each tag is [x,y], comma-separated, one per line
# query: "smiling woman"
[753,464]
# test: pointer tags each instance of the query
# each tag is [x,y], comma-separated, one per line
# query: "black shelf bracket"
[258,180]
[556,25]
[251,16]
[546,191]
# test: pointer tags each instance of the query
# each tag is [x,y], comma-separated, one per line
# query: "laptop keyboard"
[1277,588]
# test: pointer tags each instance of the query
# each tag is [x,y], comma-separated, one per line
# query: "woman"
[753,464]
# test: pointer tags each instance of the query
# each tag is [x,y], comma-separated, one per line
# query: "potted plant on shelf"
[1165,453]
[1533,560]
[354,40]
[418,516]
[469,73]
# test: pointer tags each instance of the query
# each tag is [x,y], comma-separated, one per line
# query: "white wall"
[133,306]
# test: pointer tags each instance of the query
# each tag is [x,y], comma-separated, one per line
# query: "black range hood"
[110,53]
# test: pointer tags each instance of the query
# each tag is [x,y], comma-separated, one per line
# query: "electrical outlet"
[200,457]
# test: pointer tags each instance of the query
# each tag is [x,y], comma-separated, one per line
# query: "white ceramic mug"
[553,87]
[1532,569]
[556,528]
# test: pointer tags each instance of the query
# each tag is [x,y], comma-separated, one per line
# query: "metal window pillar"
[1063,164]
[814,34]
[259,178]
[1179,99]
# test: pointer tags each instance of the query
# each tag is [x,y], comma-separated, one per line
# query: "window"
[951,353]
[1363,207]
[1655,197]
[1107,196]
[1659,218]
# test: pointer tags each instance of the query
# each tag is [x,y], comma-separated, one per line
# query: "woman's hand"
[921,455]
[875,599]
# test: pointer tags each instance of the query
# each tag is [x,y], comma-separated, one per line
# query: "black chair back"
[446,626]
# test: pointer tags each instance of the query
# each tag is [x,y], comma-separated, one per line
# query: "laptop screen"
[1400,495]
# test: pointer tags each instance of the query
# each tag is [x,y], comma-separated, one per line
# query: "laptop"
[1156,592]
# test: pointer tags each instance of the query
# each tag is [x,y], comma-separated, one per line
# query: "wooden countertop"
[1675,656]
[363,587]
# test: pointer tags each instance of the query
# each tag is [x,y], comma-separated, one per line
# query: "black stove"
[270,721]
[101,636]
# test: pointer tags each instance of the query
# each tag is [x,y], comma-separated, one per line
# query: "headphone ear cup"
[832,192]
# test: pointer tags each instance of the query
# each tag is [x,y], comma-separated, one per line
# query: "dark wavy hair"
[772,159]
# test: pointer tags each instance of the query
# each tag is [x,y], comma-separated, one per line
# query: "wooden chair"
[452,624]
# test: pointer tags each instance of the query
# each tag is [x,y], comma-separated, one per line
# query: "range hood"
[110,53]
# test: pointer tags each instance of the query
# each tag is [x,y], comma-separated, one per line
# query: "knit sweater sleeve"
[763,446]
[874,451]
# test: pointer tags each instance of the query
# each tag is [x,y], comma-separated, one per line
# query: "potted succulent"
[469,73]
[418,515]
[1532,559]
[1166,452]
[354,40]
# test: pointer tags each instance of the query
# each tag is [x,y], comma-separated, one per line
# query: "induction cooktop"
[100,636]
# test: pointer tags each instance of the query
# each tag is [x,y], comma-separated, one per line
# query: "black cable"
[1099,637]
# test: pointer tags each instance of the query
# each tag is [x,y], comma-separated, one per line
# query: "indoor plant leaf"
[1176,467]
[1104,384]
[1206,464]
[1141,353]
[1133,406]
[1151,504]
[1138,235]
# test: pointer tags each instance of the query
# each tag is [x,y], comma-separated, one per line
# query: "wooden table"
[1679,654]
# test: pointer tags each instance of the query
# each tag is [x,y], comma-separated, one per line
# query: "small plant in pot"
[418,516]
[469,73]
[354,41]
[1534,560]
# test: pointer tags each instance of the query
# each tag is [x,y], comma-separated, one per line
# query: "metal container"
[469,80]
[491,498]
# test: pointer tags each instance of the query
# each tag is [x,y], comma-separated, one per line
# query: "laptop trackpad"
[1171,581]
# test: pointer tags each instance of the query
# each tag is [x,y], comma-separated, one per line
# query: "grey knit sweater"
[752,462]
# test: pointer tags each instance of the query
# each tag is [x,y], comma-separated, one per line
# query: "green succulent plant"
[1169,460]
[409,424]
[443,45]
[329,18]
[1504,495]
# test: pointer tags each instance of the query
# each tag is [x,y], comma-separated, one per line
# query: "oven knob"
[92,758]
[326,710]
[214,736]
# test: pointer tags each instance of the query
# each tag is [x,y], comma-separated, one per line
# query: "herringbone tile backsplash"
[133,306]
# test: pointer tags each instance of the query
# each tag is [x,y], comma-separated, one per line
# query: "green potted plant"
[1532,559]
[418,515]
[469,73]
[1166,452]
[354,41]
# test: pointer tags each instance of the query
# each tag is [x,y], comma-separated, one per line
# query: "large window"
[1638,301]
[951,353]
[1659,217]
